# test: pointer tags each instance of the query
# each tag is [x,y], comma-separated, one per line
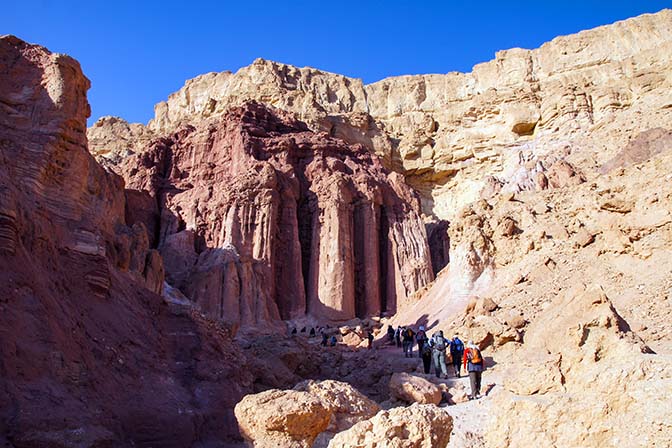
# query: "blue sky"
[138,52]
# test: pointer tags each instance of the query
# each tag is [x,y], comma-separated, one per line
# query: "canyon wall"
[454,137]
[90,353]
[259,219]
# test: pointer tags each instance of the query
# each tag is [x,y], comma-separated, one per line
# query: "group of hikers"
[442,352]
[327,340]
[437,350]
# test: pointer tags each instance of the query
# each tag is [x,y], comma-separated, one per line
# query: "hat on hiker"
[471,344]
[422,328]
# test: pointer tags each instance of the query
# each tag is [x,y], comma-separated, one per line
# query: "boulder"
[416,426]
[276,418]
[414,389]
[346,404]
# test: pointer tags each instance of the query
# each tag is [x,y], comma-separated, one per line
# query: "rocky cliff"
[259,219]
[90,353]
[576,100]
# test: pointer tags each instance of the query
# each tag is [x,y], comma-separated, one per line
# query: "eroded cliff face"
[575,100]
[90,353]
[259,219]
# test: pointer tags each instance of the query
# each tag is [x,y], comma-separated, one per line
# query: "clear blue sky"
[138,52]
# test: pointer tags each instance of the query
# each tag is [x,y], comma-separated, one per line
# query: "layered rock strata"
[90,353]
[259,219]
[509,120]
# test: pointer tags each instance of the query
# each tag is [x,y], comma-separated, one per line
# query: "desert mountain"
[150,272]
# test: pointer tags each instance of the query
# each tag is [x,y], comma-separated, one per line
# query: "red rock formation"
[261,220]
[90,355]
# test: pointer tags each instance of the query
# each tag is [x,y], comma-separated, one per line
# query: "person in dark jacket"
[397,336]
[390,334]
[426,353]
[456,352]
[473,363]
[407,336]
[421,338]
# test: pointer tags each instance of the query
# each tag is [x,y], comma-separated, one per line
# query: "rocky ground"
[372,372]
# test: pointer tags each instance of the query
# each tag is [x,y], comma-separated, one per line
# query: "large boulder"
[416,426]
[346,404]
[414,389]
[276,418]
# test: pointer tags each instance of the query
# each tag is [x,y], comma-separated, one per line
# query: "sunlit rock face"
[576,99]
[260,219]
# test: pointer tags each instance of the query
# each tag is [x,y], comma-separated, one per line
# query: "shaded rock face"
[90,354]
[259,219]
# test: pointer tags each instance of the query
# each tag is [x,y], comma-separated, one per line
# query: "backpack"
[420,335]
[474,356]
[458,346]
[440,343]
[409,333]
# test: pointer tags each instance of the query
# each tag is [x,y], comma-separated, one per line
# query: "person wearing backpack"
[426,354]
[420,338]
[439,346]
[408,334]
[390,334]
[473,363]
[456,352]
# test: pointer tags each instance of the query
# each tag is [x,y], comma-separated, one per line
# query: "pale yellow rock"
[414,389]
[277,418]
[347,405]
[416,426]
[593,382]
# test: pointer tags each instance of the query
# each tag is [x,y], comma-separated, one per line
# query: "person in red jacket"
[473,363]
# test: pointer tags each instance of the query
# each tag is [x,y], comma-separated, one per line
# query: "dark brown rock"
[90,355]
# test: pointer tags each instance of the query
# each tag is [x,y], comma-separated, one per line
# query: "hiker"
[332,341]
[408,342]
[397,336]
[312,332]
[370,338]
[456,352]
[390,334]
[324,339]
[426,353]
[439,346]
[420,338]
[473,363]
